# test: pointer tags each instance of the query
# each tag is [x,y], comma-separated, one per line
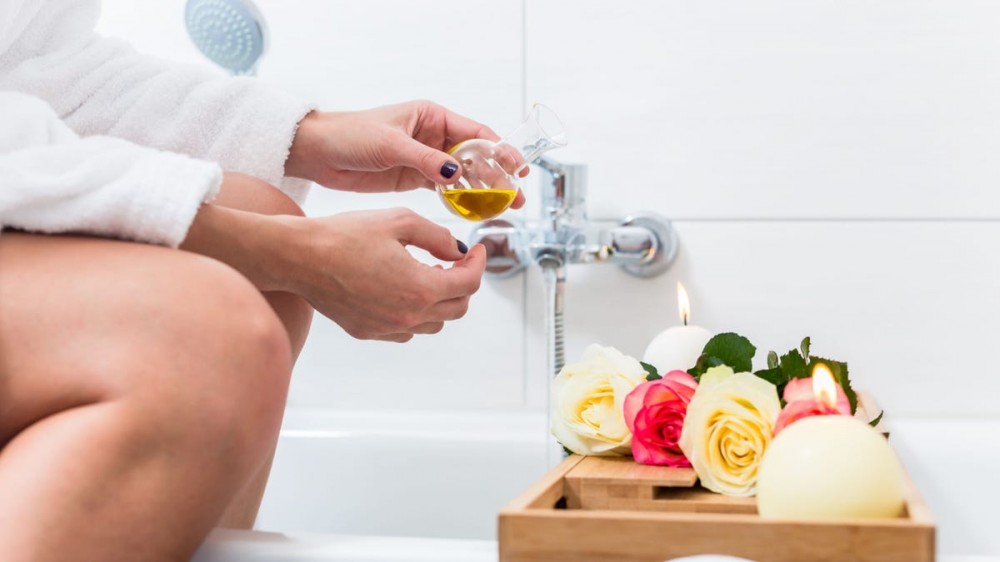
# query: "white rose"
[729,425]
[587,402]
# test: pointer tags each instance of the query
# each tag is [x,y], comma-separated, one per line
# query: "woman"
[142,386]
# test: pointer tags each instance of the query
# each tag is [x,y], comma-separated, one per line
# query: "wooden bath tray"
[591,509]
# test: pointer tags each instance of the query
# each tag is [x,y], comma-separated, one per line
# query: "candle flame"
[683,303]
[824,385]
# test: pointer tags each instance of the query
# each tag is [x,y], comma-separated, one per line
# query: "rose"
[802,402]
[587,402]
[728,427]
[654,413]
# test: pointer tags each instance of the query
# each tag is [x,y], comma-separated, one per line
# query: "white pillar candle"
[830,467]
[679,347]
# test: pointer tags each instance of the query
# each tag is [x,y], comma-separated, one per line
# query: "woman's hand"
[354,268]
[392,148]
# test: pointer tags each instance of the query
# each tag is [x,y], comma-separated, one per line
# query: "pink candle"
[819,395]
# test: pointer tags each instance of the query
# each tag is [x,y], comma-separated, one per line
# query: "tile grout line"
[778,220]
[846,220]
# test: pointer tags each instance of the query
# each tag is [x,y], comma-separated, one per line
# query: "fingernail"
[449,169]
[462,247]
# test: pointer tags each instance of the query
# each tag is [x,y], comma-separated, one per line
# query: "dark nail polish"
[462,247]
[449,169]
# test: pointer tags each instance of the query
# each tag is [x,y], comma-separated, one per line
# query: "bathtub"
[393,487]
[390,487]
[442,475]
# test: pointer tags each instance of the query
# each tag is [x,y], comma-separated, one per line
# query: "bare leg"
[295,313]
[257,196]
[140,389]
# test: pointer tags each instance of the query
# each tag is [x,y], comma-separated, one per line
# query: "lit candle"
[679,347]
[830,467]
[819,395]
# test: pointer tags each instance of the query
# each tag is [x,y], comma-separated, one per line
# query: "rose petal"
[633,402]
[681,382]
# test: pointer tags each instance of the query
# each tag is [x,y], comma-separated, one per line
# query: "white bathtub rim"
[482,426]
[228,545]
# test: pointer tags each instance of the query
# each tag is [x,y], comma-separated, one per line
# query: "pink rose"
[803,403]
[654,413]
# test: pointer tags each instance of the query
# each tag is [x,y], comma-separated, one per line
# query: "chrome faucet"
[643,244]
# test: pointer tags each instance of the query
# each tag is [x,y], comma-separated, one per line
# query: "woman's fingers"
[519,200]
[459,128]
[413,229]
[464,278]
[438,167]
[395,338]
[451,309]
[428,328]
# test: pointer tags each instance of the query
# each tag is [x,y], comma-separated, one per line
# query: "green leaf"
[705,362]
[840,373]
[651,373]
[874,422]
[772,360]
[790,366]
[804,347]
[566,451]
[774,376]
[733,350]
[794,366]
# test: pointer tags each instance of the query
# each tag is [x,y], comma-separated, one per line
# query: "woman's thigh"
[85,320]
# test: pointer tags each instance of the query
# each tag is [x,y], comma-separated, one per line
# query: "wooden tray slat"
[661,516]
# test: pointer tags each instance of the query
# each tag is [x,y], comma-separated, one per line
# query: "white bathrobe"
[97,139]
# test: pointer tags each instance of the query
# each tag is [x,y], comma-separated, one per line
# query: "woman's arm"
[52,181]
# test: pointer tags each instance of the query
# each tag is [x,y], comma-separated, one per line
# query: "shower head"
[231,33]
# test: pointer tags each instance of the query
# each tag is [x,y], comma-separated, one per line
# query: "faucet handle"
[564,196]
[646,244]
[505,254]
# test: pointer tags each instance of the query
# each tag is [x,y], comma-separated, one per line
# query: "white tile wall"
[913,306]
[777,108]
[831,165]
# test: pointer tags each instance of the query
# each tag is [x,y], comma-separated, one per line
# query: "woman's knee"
[216,359]
[247,193]
[188,345]
[186,340]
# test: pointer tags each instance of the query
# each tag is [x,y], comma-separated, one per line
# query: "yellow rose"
[587,402]
[729,424]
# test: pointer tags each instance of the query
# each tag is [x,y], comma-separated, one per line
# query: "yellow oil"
[478,204]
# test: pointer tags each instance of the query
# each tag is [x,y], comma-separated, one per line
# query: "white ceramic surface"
[256,546]
[401,474]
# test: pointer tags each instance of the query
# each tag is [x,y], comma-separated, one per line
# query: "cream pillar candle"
[830,467]
[679,347]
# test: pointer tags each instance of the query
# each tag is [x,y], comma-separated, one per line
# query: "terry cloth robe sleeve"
[52,181]
[101,86]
